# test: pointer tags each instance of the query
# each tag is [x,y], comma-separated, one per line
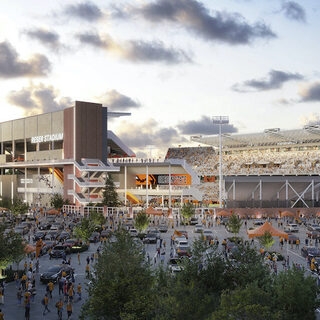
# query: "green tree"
[295,295]
[249,303]
[96,218]
[141,221]
[110,195]
[266,240]
[84,230]
[188,211]
[11,248]
[234,224]
[19,207]
[57,201]
[121,284]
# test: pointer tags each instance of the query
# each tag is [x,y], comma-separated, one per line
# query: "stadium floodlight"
[220,121]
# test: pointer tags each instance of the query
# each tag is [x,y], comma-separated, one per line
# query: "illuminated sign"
[163,179]
[47,138]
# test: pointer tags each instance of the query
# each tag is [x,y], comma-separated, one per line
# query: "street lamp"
[220,121]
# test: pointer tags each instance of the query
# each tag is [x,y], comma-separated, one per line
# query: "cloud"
[274,80]
[12,67]
[148,133]
[136,50]
[285,102]
[118,101]
[293,11]
[45,37]
[204,126]
[37,99]
[310,93]
[192,15]
[310,119]
[86,11]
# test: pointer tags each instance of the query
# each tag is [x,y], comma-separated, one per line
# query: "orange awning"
[266,227]
[154,212]
[53,211]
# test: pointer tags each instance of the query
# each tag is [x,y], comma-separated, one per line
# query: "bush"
[83,248]
[10,274]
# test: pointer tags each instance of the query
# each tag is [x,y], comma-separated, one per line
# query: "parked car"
[258,222]
[58,251]
[198,228]
[292,227]
[163,228]
[313,234]
[174,265]
[70,243]
[45,226]
[150,238]
[54,272]
[133,232]
[193,221]
[154,231]
[64,235]
[310,252]
[21,230]
[313,227]
[39,235]
[105,233]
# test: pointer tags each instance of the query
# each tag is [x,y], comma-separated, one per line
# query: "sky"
[172,63]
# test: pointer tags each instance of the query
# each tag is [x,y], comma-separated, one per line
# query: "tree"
[96,218]
[266,240]
[110,195]
[57,201]
[187,211]
[234,224]
[19,207]
[249,303]
[141,222]
[121,283]
[295,295]
[84,230]
[11,248]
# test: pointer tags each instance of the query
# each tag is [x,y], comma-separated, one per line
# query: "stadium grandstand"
[272,166]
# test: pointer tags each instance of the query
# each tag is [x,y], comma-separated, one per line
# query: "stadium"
[273,168]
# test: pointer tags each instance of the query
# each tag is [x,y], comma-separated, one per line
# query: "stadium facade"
[69,152]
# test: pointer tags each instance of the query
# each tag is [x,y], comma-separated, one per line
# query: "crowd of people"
[254,162]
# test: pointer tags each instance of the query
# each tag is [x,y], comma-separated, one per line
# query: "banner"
[163,179]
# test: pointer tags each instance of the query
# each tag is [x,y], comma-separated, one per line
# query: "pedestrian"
[1,295]
[50,286]
[27,308]
[61,283]
[69,309]
[79,288]
[88,259]
[79,258]
[70,293]
[1,315]
[45,302]
[59,306]
[297,243]
[37,266]
[19,295]
[288,262]
[87,270]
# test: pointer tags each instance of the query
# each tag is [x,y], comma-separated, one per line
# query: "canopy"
[224,214]
[287,214]
[52,211]
[4,209]
[29,248]
[266,227]
[153,211]
[318,214]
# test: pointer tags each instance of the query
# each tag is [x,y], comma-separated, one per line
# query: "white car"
[179,239]
[133,232]
[198,228]
[292,227]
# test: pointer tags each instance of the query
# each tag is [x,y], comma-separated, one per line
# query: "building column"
[147,185]
[52,180]
[38,187]
[25,184]
[12,196]
[125,185]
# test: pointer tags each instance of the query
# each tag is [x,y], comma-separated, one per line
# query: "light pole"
[220,121]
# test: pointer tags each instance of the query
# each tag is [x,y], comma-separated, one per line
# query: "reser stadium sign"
[47,138]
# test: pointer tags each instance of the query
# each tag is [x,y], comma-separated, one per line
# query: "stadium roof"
[269,137]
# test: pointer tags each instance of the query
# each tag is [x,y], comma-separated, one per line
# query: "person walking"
[1,315]
[19,295]
[27,308]
[59,306]
[79,288]
[69,309]
[1,295]
[79,261]
[51,286]
[45,302]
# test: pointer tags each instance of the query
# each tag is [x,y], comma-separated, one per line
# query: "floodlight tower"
[220,121]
